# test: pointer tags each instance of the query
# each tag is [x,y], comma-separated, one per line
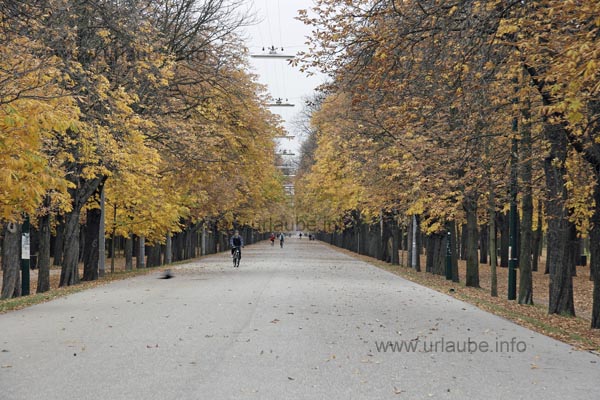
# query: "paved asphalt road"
[302,322]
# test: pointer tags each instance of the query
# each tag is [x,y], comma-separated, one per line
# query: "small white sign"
[25,246]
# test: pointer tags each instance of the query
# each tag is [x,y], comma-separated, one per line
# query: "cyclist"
[236,241]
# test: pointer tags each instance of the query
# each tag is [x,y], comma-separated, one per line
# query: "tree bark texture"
[69,273]
[525,274]
[11,261]
[470,206]
[91,250]
[129,253]
[504,238]
[483,244]
[561,280]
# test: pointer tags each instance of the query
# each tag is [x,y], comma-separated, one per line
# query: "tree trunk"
[154,256]
[409,242]
[415,245]
[470,206]
[525,276]
[451,226]
[81,241]
[169,250]
[386,234]
[439,255]
[91,250]
[504,239]
[435,254]
[141,253]
[177,245]
[429,253]
[113,239]
[203,250]
[69,273]
[189,242]
[102,234]
[463,242]
[483,244]
[128,253]
[561,280]
[43,284]
[11,261]
[493,244]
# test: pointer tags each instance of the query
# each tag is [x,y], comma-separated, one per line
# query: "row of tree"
[145,105]
[452,111]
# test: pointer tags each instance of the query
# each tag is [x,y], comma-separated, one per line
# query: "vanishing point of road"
[302,322]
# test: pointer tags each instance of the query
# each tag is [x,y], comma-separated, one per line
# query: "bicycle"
[237,255]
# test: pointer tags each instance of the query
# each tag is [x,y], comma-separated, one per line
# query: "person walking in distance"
[272,238]
[281,239]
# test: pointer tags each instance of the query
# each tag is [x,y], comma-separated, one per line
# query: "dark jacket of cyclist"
[236,241]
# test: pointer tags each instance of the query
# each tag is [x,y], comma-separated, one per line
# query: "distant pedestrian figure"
[300,235]
[272,238]
[281,239]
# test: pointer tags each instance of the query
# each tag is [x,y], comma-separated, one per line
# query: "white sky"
[278,27]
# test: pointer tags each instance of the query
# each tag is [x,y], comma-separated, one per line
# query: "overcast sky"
[278,27]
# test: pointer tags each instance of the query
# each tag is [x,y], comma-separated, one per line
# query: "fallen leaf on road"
[275,321]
